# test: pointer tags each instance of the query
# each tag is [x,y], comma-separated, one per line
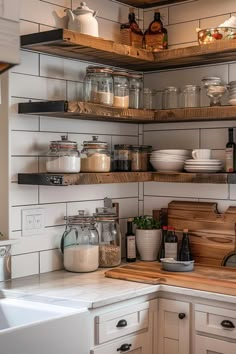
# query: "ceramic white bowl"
[168,165]
[232,102]
[174,152]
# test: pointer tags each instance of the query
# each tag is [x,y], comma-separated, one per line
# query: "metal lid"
[105,214]
[190,88]
[80,219]
[122,147]
[171,88]
[135,76]
[95,143]
[64,143]
[99,69]
[120,73]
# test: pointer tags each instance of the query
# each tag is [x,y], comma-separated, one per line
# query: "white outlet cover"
[33,221]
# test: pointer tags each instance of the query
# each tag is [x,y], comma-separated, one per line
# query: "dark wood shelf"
[56,179]
[91,111]
[70,44]
[149,3]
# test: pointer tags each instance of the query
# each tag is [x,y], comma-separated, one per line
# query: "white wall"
[45,77]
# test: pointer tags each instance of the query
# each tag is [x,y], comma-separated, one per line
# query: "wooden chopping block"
[212,235]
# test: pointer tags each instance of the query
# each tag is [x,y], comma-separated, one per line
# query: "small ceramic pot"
[148,243]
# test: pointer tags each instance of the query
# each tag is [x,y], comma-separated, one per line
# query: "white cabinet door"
[174,327]
[206,345]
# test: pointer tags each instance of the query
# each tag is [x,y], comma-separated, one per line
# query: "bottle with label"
[130,33]
[156,36]
[171,244]
[185,251]
[161,253]
[230,152]
[130,243]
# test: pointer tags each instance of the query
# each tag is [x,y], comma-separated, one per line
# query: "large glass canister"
[121,89]
[109,238]
[190,96]
[79,244]
[135,90]
[95,156]
[122,158]
[98,85]
[63,156]
[170,98]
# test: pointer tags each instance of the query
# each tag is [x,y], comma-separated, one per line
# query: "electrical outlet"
[32,221]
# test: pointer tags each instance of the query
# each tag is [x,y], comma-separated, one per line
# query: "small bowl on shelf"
[209,35]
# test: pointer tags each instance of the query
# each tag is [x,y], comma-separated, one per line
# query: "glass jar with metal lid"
[95,156]
[80,243]
[135,90]
[190,96]
[63,156]
[98,85]
[170,98]
[140,157]
[121,89]
[122,158]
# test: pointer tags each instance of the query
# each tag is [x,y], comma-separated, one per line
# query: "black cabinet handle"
[227,324]
[181,315]
[124,348]
[122,323]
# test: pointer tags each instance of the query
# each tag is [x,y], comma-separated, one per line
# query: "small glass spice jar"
[170,98]
[121,89]
[122,158]
[63,156]
[190,96]
[95,156]
[140,157]
[135,90]
[98,85]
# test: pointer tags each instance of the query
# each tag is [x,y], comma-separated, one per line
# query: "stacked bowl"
[169,160]
[232,93]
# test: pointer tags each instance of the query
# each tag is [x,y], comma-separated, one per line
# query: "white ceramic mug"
[201,154]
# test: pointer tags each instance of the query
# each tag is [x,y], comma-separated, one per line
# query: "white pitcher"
[83,20]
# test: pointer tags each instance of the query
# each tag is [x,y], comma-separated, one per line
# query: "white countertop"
[90,290]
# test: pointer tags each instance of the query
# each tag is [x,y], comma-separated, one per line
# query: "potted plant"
[148,237]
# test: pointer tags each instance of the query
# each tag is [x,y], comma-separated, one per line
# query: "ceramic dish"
[210,35]
[171,265]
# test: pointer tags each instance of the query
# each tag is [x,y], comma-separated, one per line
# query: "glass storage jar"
[63,156]
[109,238]
[170,98]
[148,98]
[122,158]
[190,96]
[80,244]
[121,89]
[140,157]
[135,90]
[95,156]
[98,85]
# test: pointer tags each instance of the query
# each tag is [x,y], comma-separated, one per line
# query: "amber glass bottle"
[156,36]
[130,32]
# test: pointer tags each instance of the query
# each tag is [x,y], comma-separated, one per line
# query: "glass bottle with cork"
[130,33]
[130,242]
[156,36]
[230,152]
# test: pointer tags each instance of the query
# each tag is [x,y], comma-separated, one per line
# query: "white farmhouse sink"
[28,327]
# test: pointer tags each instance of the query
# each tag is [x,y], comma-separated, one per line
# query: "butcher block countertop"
[206,278]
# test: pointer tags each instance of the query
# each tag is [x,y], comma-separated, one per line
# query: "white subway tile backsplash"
[213,138]
[23,194]
[75,91]
[27,27]
[151,203]
[50,261]
[132,140]
[213,21]
[29,64]
[24,265]
[21,121]
[183,32]
[23,165]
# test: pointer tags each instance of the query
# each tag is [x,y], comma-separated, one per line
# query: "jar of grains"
[135,90]
[98,85]
[95,156]
[140,157]
[122,158]
[121,89]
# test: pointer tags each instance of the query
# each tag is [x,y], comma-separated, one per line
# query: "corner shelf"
[149,3]
[91,111]
[74,45]
[66,179]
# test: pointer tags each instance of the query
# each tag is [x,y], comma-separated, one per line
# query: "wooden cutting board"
[212,235]
[207,278]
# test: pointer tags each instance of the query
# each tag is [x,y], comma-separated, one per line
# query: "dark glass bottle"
[161,253]
[230,155]
[156,36]
[130,242]
[130,32]
[171,244]
[185,250]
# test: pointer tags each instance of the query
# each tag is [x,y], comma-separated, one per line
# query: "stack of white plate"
[169,160]
[232,93]
[207,165]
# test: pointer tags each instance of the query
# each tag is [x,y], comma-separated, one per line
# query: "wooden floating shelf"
[56,179]
[149,3]
[91,111]
[70,44]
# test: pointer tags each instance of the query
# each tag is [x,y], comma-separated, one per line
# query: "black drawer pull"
[124,348]
[181,315]
[122,323]
[227,324]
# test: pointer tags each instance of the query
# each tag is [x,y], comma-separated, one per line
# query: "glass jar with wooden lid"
[95,156]
[98,85]
[121,89]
